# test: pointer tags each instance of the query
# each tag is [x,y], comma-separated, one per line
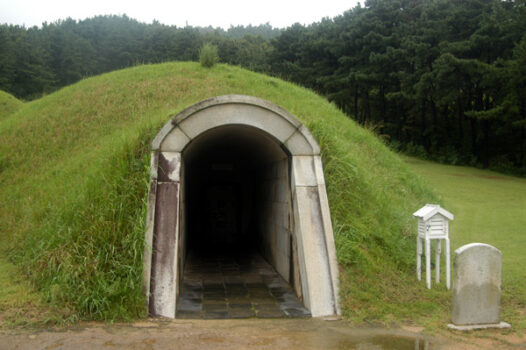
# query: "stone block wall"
[274,219]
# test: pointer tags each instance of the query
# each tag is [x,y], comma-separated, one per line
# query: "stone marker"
[476,287]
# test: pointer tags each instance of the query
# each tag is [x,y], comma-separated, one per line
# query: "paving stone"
[191,295]
[215,307]
[267,306]
[297,312]
[192,283]
[189,314]
[237,294]
[252,279]
[235,286]
[262,301]
[246,305]
[294,304]
[235,279]
[214,300]
[213,285]
[243,287]
[216,315]
[259,293]
[287,297]
[239,299]
[241,313]
[256,285]
[190,305]
[277,292]
[277,313]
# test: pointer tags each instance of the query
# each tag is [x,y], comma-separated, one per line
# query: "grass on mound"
[20,304]
[74,186]
[8,104]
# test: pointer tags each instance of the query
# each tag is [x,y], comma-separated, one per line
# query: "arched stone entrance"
[229,173]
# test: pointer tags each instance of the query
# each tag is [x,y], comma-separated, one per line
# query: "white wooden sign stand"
[433,224]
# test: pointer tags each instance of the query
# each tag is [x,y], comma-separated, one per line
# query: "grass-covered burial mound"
[74,180]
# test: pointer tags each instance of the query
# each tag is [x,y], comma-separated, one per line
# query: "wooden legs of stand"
[418,258]
[428,263]
[448,264]
[438,250]
[426,250]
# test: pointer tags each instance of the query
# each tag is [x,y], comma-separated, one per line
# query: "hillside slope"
[74,183]
[8,104]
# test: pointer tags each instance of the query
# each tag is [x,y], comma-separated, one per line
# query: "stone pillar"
[315,251]
[476,287]
[165,236]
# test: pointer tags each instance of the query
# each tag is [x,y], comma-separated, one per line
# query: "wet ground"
[304,334]
[252,333]
[242,286]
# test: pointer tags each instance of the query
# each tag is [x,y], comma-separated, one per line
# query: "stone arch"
[269,126]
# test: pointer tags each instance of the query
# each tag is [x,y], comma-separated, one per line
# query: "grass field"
[489,208]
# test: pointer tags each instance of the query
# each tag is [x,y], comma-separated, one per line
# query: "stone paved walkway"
[243,286]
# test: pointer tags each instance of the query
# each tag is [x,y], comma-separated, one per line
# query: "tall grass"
[88,255]
[75,180]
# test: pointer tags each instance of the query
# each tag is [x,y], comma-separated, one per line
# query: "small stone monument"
[476,287]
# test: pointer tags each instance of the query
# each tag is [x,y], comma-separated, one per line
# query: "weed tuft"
[208,55]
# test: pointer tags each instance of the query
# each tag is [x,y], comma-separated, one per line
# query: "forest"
[440,79]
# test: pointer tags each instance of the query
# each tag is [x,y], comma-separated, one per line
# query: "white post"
[428,264]
[418,258]
[437,260]
[448,265]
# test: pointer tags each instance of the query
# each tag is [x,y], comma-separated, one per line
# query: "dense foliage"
[35,61]
[438,78]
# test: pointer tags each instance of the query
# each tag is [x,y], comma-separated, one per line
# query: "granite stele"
[476,287]
[237,173]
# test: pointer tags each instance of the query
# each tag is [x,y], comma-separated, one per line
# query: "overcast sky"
[217,13]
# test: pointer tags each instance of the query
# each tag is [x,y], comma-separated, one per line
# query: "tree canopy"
[437,78]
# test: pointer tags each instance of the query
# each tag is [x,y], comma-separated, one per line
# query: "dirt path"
[242,334]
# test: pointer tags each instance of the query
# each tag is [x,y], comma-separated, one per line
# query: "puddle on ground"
[385,342]
[338,336]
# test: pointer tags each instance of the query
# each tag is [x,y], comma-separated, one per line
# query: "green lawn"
[489,208]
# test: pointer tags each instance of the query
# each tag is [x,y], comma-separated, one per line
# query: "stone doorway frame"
[312,226]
